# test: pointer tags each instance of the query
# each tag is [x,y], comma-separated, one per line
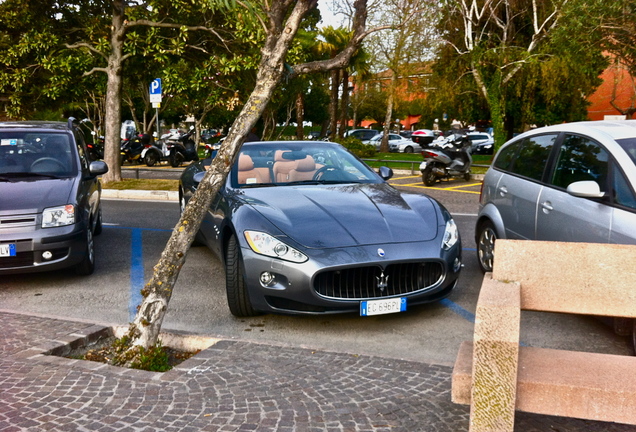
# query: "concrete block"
[581,278]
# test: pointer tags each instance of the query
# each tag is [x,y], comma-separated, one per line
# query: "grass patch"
[143,184]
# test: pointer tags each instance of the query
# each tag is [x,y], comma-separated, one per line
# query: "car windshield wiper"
[9,177]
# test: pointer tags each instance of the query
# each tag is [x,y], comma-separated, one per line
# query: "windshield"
[35,154]
[288,163]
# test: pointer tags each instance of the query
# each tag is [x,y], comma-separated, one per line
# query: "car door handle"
[503,191]
[547,207]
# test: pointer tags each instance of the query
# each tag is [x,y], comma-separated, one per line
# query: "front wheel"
[175,160]
[238,299]
[486,237]
[408,149]
[151,159]
[428,176]
[87,266]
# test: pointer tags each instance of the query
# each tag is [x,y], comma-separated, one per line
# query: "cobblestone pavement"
[231,386]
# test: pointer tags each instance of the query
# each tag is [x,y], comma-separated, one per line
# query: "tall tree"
[281,21]
[498,38]
[401,50]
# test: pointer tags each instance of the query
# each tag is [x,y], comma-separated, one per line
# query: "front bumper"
[298,288]
[45,249]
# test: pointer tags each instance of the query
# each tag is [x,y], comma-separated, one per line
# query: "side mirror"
[585,189]
[385,172]
[97,168]
[198,177]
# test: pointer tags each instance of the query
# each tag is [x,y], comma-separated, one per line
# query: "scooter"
[184,150]
[154,153]
[452,161]
[131,149]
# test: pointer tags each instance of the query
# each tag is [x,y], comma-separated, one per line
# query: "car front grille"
[373,282]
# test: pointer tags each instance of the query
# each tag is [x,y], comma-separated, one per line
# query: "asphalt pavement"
[234,385]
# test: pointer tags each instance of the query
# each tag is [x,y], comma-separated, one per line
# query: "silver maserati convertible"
[308,228]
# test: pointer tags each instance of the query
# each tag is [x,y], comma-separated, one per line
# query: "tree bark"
[112,118]
[281,27]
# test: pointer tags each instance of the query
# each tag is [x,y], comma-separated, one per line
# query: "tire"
[237,296]
[486,237]
[87,266]
[175,160]
[467,176]
[98,225]
[151,159]
[408,149]
[122,159]
[428,176]
[634,335]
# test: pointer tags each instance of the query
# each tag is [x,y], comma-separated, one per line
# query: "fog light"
[47,255]
[267,278]
[457,265]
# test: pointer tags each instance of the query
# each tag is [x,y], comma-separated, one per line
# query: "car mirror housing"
[98,168]
[585,189]
[198,177]
[385,172]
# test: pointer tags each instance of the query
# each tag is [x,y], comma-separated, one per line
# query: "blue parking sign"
[155,87]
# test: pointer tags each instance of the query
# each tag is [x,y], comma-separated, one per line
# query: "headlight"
[451,235]
[268,245]
[58,216]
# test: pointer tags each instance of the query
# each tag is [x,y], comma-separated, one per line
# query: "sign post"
[155,99]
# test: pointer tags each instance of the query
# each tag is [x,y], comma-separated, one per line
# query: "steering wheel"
[47,160]
[318,175]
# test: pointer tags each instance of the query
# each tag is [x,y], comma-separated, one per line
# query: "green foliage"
[356,147]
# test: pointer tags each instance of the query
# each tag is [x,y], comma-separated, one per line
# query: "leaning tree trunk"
[112,120]
[144,330]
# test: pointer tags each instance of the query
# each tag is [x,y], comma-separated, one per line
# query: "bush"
[356,147]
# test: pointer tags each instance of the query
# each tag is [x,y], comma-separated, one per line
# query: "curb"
[142,195]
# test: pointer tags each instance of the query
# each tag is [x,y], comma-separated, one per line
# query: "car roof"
[615,129]
[40,125]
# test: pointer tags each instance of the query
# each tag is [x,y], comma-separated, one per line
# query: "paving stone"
[231,386]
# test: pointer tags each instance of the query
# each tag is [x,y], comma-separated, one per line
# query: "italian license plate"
[7,250]
[381,307]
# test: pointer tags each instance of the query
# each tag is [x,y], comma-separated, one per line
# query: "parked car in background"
[572,182]
[406,134]
[397,143]
[50,198]
[305,227]
[481,143]
[568,182]
[362,134]
[423,137]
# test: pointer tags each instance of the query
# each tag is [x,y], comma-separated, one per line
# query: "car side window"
[533,156]
[579,159]
[505,157]
[623,194]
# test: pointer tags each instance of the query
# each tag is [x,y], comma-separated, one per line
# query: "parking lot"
[135,233]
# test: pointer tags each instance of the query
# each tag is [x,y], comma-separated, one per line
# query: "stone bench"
[495,376]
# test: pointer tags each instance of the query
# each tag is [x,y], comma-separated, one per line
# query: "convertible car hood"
[346,215]
[32,196]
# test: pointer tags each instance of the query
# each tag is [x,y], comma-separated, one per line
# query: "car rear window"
[533,155]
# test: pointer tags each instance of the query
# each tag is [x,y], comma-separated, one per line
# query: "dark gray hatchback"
[49,198]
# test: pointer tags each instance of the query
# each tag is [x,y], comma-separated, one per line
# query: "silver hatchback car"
[569,182]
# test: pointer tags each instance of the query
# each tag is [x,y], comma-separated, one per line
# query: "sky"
[328,18]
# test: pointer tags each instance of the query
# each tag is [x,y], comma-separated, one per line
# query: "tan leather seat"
[282,167]
[305,169]
[248,174]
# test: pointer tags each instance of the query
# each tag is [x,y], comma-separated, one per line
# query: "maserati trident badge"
[383,281]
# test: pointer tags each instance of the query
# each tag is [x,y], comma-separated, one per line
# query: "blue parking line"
[458,310]
[136,272]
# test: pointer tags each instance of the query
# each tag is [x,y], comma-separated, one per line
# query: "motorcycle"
[131,149]
[154,153]
[96,149]
[452,159]
[184,150]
